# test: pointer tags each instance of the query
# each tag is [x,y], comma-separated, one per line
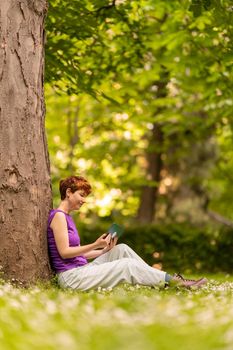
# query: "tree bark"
[73,135]
[149,193]
[25,190]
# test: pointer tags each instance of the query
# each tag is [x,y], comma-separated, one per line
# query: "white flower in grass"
[65,340]
[7,287]
[15,304]
[228,336]
[35,290]
[50,307]
[70,304]
[206,317]
[24,298]
[89,308]
[121,315]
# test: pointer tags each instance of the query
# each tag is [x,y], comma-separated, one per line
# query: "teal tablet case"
[115,230]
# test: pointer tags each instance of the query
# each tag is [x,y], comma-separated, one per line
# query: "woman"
[113,263]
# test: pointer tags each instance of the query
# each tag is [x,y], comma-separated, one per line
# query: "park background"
[139,100]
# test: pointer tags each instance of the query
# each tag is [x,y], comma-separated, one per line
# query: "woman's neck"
[64,206]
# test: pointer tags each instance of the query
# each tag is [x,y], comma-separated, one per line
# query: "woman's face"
[76,199]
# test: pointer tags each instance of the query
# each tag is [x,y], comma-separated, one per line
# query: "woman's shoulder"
[58,211]
[56,214]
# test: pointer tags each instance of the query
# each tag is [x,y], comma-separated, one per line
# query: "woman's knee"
[122,246]
[128,263]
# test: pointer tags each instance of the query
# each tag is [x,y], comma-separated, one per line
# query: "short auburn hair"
[75,183]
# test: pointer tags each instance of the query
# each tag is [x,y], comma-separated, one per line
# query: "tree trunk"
[73,135]
[146,209]
[25,191]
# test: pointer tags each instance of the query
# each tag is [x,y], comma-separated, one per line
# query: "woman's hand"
[102,241]
[111,244]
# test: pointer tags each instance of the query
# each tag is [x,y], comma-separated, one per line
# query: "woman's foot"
[180,281]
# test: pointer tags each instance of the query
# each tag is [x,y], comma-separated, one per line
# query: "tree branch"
[107,7]
[219,218]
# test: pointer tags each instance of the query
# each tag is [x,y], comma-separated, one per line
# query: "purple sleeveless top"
[57,262]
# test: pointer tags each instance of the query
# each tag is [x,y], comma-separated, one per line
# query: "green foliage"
[220,185]
[144,63]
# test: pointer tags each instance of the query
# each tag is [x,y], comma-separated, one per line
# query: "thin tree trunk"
[73,135]
[148,199]
[149,194]
[25,192]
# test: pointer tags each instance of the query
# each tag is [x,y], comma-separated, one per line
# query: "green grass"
[126,317]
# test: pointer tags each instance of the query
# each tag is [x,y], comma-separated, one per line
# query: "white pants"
[120,264]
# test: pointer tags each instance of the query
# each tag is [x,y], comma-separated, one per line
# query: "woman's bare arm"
[93,254]
[59,227]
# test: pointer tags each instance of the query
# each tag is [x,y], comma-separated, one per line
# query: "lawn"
[46,317]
